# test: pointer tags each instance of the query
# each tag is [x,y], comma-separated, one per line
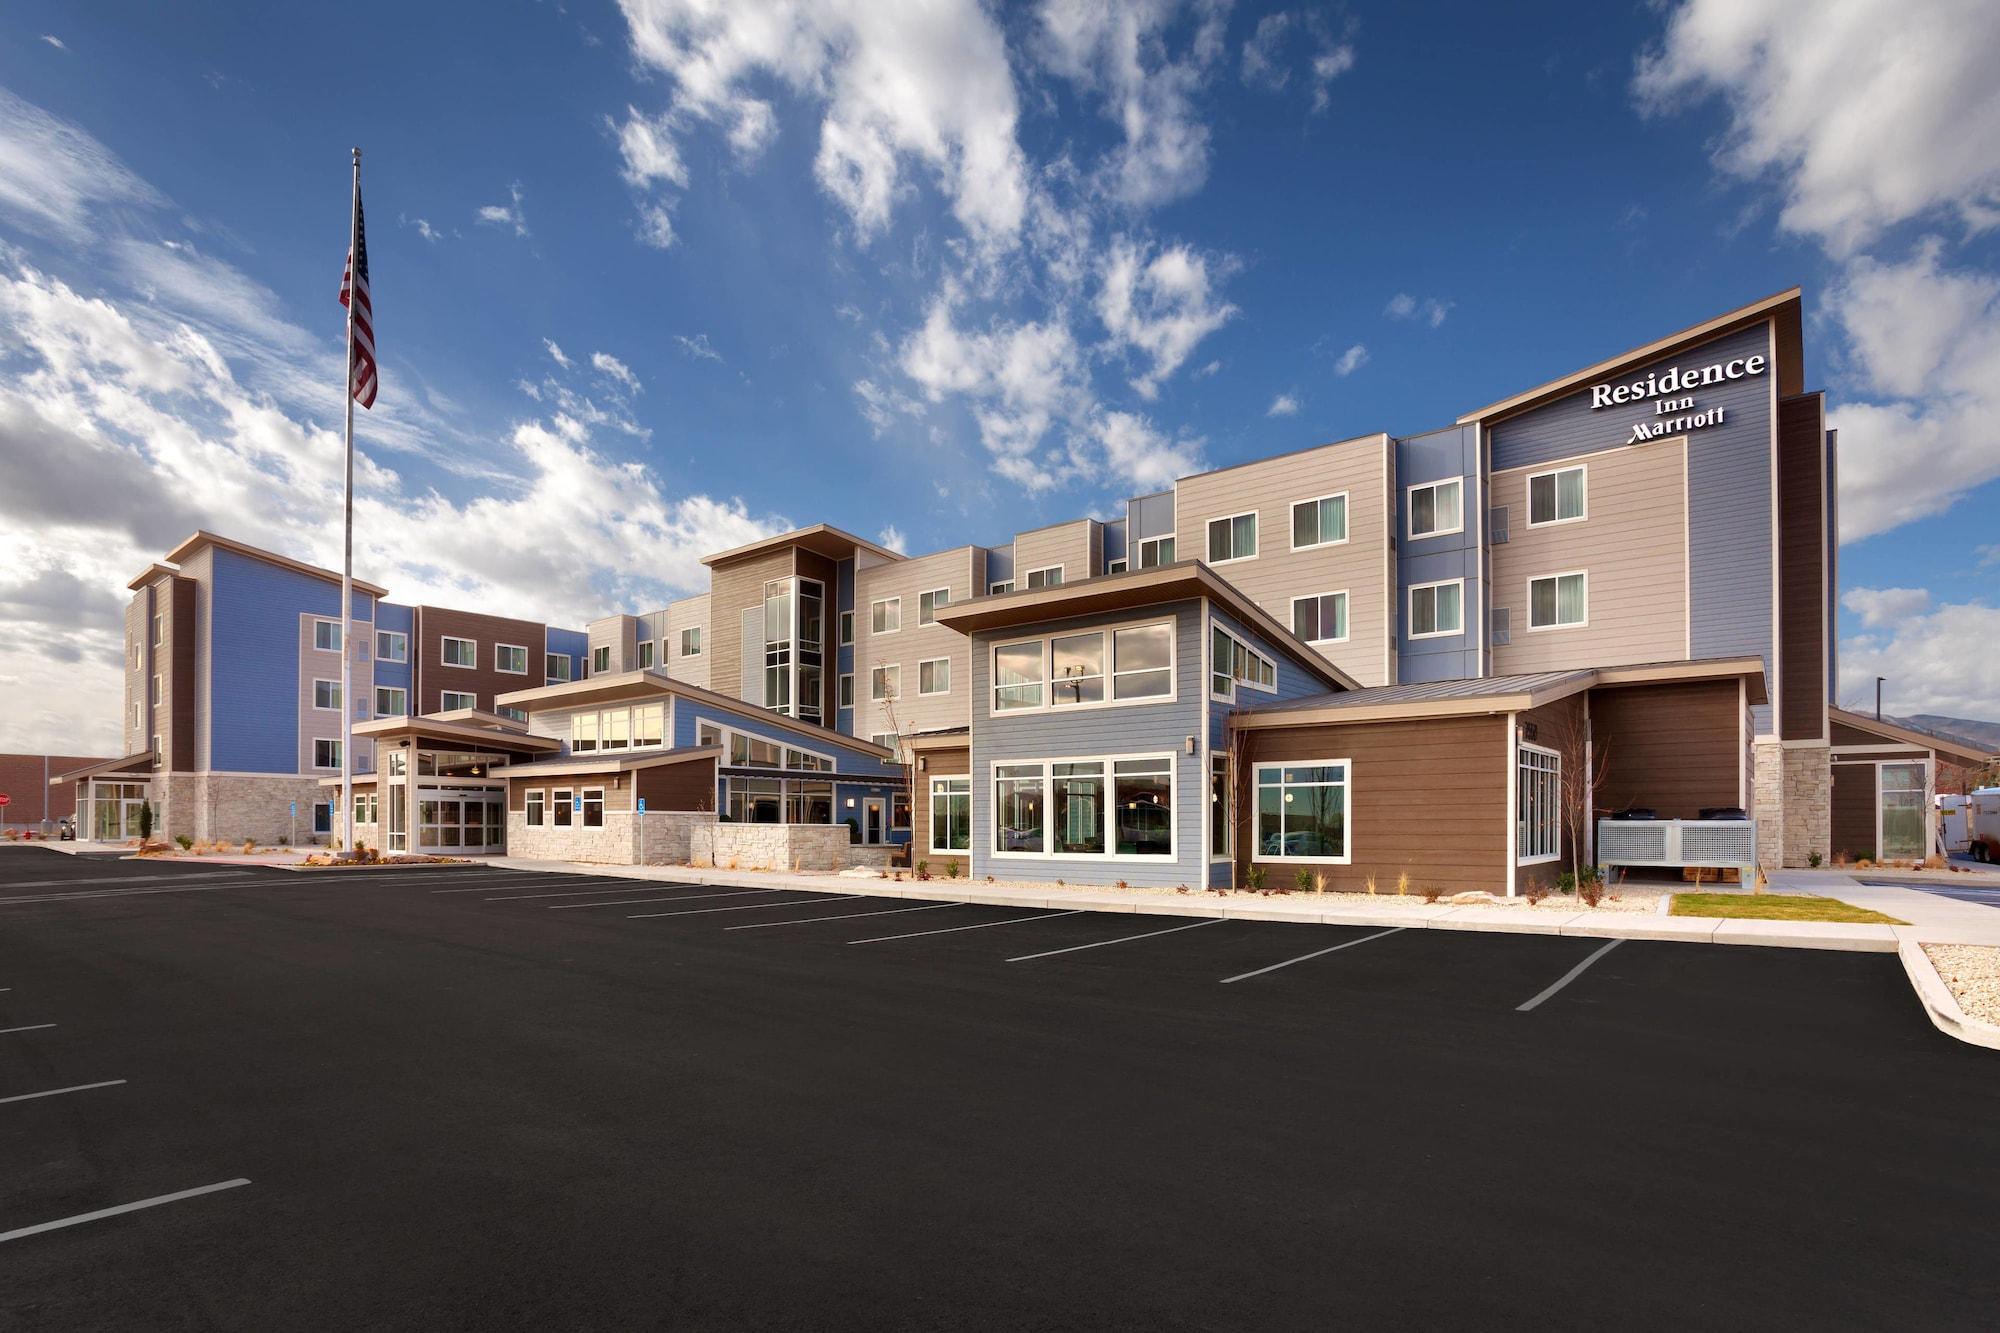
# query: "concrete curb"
[1940,1004]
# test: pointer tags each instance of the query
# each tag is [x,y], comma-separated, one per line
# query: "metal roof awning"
[142,761]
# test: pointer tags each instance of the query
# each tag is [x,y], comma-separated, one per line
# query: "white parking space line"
[952,930]
[153,1202]
[57,1092]
[32,1027]
[110,893]
[751,907]
[670,898]
[520,882]
[126,879]
[844,916]
[1320,953]
[1123,939]
[1568,977]
[598,887]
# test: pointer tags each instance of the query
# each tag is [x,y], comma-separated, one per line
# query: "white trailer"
[1982,818]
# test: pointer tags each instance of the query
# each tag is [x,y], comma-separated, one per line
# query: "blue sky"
[953,275]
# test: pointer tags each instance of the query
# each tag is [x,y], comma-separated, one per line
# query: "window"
[1235,662]
[888,740]
[451,700]
[1017,676]
[1155,551]
[461,652]
[1128,664]
[583,733]
[934,676]
[391,701]
[600,659]
[326,753]
[399,763]
[885,684]
[614,729]
[1232,538]
[1557,601]
[649,725]
[1321,522]
[1437,609]
[1142,662]
[1538,793]
[691,641]
[560,668]
[845,699]
[1051,577]
[510,659]
[158,694]
[1302,812]
[562,805]
[1321,619]
[995,589]
[1077,674]
[1435,509]
[1084,808]
[1555,497]
[928,604]
[511,713]
[159,751]
[1114,566]
[886,616]
[645,657]
[138,715]
[326,694]
[322,816]
[534,812]
[951,814]
[1221,830]
[391,646]
[367,808]
[160,632]
[326,635]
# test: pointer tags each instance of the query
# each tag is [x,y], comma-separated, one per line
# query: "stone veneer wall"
[1808,804]
[236,806]
[658,837]
[781,847]
[1767,802]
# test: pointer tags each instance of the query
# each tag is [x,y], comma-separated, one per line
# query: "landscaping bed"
[1972,973]
[1623,898]
[1777,907]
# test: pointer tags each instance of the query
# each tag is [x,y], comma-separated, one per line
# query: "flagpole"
[345,820]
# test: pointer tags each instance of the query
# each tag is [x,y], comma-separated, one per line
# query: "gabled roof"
[821,539]
[1130,590]
[1782,305]
[458,727]
[202,537]
[1958,751]
[141,761]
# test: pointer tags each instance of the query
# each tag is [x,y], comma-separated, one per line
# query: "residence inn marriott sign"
[1674,415]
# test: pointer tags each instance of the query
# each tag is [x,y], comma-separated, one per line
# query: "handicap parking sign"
[642,805]
[295,809]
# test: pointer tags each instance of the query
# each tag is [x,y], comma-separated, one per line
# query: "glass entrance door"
[1902,813]
[453,818]
[114,810]
[871,821]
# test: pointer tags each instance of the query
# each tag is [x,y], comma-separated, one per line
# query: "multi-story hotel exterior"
[1640,553]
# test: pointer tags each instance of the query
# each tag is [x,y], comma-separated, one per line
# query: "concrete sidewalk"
[1300,907]
[1933,918]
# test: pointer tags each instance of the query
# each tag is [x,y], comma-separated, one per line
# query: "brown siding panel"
[1673,748]
[1801,687]
[180,743]
[937,764]
[434,624]
[684,786]
[1854,810]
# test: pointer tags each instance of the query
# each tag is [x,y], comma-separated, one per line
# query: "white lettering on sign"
[1675,380]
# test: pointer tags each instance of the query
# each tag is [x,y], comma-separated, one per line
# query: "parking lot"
[468,1097]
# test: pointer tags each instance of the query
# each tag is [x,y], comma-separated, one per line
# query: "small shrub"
[1304,879]
[1180,888]
[1371,886]
[1565,882]
[145,820]
[1403,884]
[1813,859]
[1061,885]
[923,870]
[1123,885]
[249,847]
[1254,877]
[184,840]
[1535,892]
[1591,890]
[951,868]
[1432,893]
[1864,864]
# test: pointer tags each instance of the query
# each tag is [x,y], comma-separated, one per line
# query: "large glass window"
[951,814]
[1302,811]
[391,646]
[460,652]
[1017,676]
[928,604]
[562,806]
[615,730]
[583,733]
[1321,522]
[648,725]
[756,801]
[1078,675]
[1233,538]
[886,616]
[1320,619]
[593,807]
[1436,609]
[1555,497]
[1538,798]
[1436,508]
[1142,662]
[1557,601]
[1077,799]
[510,659]
[1234,662]
[1221,836]
[1144,809]
[1902,811]
[1018,806]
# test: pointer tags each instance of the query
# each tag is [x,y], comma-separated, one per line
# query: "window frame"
[1108,634]
[1216,627]
[1410,610]
[878,604]
[696,631]
[1346,784]
[923,693]
[444,652]
[931,819]
[1410,509]
[1118,566]
[1528,493]
[999,587]
[520,648]
[1557,579]
[843,691]
[1346,527]
[1028,576]
[398,639]
[600,651]
[381,690]
[644,654]
[334,743]
[1155,543]
[1346,614]
[160,631]
[562,807]
[880,674]
[332,691]
[845,628]
[1552,818]
[1256,537]
[1110,779]
[157,692]
[569,668]
[319,623]
[535,807]
[591,797]
[444,697]
[932,594]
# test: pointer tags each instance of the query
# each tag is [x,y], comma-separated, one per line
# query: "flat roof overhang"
[575,767]
[1135,589]
[822,539]
[142,761]
[453,729]
[1493,695]
[1957,751]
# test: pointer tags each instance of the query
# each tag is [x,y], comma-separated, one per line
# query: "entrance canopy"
[133,764]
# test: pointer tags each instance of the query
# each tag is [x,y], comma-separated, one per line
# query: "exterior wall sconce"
[1190,745]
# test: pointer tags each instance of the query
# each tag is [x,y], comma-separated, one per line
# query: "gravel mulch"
[1630,898]
[1972,971]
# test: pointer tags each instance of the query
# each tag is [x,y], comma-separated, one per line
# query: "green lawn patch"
[1777,907]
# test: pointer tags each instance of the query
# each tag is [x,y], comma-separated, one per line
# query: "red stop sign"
[4,798]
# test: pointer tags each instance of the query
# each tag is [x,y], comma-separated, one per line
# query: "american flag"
[355,279]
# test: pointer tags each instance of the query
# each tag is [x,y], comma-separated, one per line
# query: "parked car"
[66,830]
[1306,842]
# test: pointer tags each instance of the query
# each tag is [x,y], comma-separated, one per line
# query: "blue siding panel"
[1438,456]
[254,660]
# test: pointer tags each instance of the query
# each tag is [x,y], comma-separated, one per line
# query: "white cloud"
[556,353]
[1870,112]
[1428,310]
[1350,360]
[881,406]
[1160,304]
[1020,378]
[54,177]
[1879,607]
[54,41]
[508,214]
[1934,662]
[423,228]
[1327,66]
[1263,53]
[655,226]
[1137,452]
[1213,367]
[615,370]
[697,347]
[1284,405]
[647,148]
[1989,556]
[893,538]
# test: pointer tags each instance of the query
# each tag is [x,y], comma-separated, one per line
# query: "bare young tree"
[1581,771]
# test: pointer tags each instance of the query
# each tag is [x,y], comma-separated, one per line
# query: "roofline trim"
[203,537]
[1922,740]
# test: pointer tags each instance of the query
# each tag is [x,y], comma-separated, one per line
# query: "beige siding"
[1359,566]
[732,590]
[688,613]
[1075,546]
[1632,544]
[959,570]
[621,634]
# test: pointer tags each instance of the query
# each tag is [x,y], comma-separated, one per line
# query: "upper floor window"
[453,700]
[934,676]
[885,684]
[157,696]
[326,695]
[1321,522]
[1436,508]
[1125,664]
[885,616]
[510,659]
[846,628]
[1114,566]
[928,604]
[1234,662]
[691,641]
[391,646]
[326,634]
[1321,618]
[391,701]
[160,632]
[600,659]
[461,652]
[995,589]
[326,753]
[1050,577]
[1558,601]
[1437,609]
[1233,538]
[645,660]
[845,697]
[1154,551]
[559,668]
[515,714]
[1556,497]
